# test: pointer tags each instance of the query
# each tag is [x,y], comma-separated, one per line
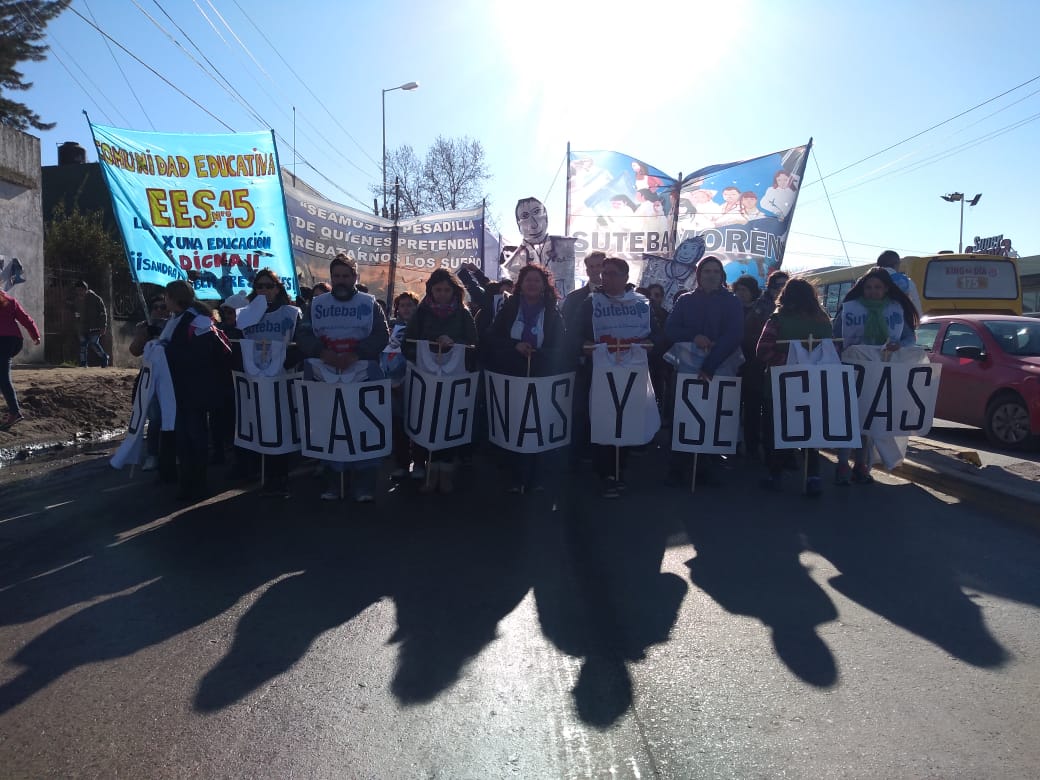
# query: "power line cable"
[38,25]
[156,73]
[285,98]
[927,130]
[833,215]
[129,86]
[938,156]
[319,101]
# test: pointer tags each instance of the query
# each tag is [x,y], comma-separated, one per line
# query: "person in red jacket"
[11,316]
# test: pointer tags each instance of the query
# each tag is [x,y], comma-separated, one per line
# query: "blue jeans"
[92,341]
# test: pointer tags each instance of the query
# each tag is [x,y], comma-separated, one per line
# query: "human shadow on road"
[600,592]
[458,575]
[749,564]
[895,548]
[58,530]
[183,574]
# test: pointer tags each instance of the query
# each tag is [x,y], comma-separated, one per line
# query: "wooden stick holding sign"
[619,346]
[439,345]
[805,453]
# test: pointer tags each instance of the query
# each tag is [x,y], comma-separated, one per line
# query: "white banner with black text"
[439,408]
[344,422]
[529,414]
[706,415]
[265,413]
[814,406]
[896,399]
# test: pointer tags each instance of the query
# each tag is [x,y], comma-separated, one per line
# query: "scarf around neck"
[443,310]
[875,329]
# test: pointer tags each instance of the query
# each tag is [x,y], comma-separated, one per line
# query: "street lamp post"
[407,88]
[951,197]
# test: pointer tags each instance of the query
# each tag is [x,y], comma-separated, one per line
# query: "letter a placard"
[897,399]
[814,406]
[344,421]
[529,414]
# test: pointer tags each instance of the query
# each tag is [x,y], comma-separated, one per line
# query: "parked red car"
[990,373]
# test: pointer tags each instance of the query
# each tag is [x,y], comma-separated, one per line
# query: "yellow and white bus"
[947,283]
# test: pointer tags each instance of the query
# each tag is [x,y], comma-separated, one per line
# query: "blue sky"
[681,85]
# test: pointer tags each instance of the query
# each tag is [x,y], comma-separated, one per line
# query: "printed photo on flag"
[742,210]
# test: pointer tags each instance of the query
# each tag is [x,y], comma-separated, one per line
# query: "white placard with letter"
[529,414]
[896,399]
[618,403]
[814,406]
[439,409]
[265,413]
[344,422]
[706,416]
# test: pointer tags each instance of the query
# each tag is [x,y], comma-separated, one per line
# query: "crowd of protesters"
[513,327]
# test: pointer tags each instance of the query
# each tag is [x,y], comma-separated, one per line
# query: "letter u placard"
[264,413]
[814,406]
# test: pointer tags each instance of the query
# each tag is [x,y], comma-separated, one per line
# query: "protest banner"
[344,422]
[205,203]
[440,408]
[529,415]
[265,413]
[814,406]
[618,404]
[706,416]
[896,399]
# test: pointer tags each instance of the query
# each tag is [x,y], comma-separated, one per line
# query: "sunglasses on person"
[264,286]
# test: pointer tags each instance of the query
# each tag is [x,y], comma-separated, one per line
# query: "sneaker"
[151,463]
[861,475]
[418,472]
[843,475]
[364,498]
[813,487]
[398,473]
[610,488]
[330,495]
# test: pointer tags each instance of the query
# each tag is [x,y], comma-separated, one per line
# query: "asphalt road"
[881,631]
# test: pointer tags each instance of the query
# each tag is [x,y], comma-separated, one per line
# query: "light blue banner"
[203,206]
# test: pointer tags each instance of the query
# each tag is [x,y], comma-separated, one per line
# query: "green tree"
[79,241]
[22,29]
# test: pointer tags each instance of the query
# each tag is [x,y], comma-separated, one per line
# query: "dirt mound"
[64,404]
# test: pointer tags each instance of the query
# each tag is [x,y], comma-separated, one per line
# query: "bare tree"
[455,171]
[403,166]
[452,176]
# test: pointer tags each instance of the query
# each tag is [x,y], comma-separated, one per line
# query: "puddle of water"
[41,452]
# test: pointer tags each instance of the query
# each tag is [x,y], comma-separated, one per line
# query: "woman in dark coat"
[441,318]
[199,361]
[528,338]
